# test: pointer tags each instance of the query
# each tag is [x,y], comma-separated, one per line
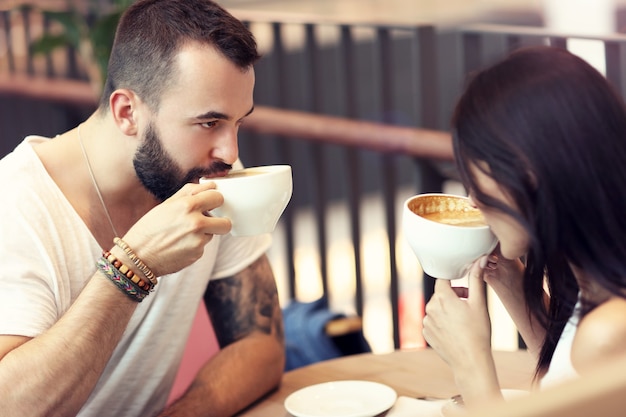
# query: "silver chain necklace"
[95,184]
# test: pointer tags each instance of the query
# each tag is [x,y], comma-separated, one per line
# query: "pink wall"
[201,345]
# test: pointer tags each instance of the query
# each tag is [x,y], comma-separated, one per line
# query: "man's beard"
[159,173]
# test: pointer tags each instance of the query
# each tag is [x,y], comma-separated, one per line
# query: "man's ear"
[124,109]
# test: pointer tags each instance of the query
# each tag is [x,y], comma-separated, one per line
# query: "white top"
[47,255]
[561,368]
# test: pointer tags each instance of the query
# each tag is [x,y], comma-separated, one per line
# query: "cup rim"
[406,208]
[269,170]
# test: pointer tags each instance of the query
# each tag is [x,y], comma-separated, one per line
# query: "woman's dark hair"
[151,33]
[550,130]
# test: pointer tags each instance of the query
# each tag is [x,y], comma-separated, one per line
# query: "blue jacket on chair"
[306,341]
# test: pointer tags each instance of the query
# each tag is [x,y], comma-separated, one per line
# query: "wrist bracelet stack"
[135,259]
[121,280]
[123,277]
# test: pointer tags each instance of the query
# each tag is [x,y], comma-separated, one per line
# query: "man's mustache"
[215,169]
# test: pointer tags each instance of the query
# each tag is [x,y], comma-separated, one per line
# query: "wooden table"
[414,373]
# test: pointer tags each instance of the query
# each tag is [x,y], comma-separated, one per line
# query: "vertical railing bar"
[319,175]
[30,67]
[6,20]
[431,181]
[389,194]
[493,47]
[615,55]
[611,59]
[472,52]
[289,219]
[253,146]
[49,62]
[286,151]
[558,41]
[386,74]
[389,178]
[425,66]
[72,63]
[354,179]
[513,42]
[419,106]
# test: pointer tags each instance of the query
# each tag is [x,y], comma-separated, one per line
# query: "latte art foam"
[469,219]
[448,210]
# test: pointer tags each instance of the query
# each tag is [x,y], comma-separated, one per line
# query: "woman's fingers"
[476,283]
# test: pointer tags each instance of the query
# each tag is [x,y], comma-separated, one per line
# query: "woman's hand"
[458,328]
[457,322]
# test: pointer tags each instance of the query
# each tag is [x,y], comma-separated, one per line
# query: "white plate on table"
[341,399]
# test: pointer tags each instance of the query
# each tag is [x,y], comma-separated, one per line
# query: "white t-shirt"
[47,255]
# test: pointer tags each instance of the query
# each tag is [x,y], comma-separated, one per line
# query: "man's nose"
[226,148]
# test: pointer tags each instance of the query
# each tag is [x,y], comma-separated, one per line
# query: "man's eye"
[210,124]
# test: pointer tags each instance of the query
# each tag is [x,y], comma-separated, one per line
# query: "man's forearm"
[54,373]
[234,378]
[247,321]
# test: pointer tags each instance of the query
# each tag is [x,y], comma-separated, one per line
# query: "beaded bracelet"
[126,271]
[132,290]
[138,262]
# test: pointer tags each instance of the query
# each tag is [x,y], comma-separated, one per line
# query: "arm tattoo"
[244,303]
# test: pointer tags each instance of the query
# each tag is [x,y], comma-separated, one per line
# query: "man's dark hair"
[152,32]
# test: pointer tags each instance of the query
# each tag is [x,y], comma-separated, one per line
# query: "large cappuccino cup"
[446,233]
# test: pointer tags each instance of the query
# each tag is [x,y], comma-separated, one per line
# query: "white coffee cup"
[254,198]
[446,233]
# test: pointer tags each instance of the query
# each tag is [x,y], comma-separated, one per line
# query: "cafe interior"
[355,95]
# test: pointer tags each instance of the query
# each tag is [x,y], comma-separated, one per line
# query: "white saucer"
[341,399]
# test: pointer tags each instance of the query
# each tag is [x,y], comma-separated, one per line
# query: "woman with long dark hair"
[540,144]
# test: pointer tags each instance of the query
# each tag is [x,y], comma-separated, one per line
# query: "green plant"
[90,32]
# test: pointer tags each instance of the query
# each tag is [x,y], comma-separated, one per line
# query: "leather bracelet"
[121,280]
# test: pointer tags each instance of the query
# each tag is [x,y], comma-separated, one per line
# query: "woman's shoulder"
[601,334]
